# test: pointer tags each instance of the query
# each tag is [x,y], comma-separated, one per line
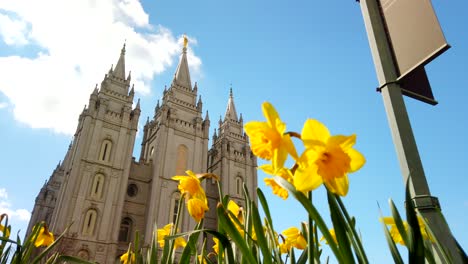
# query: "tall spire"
[119,70]
[182,75]
[231,113]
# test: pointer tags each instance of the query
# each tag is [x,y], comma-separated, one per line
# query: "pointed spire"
[231,113]
[207,117]
[138,104]
[147,120]
[195,88]
[132,91]
[119,70]
[129,77]
[95,91]
[240,118]
[182,75]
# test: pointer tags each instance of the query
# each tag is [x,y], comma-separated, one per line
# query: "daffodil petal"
[314,132]
[279,158]
[338,185]
[307,179]
[270,114]
[357,159]
[267,168]
[287,144]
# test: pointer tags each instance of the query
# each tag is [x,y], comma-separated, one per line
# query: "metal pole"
[402,134]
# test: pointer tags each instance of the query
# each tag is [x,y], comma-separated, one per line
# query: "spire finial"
[122,52]
[185,41]
[230,91]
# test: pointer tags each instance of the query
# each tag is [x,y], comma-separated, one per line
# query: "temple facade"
[104,194]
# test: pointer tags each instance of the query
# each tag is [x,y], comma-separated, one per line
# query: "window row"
[90,222]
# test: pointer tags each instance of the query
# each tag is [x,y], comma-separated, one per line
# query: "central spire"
[182,75]
[231,113]
[119,70]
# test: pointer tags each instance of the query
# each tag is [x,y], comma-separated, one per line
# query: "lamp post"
[402,134]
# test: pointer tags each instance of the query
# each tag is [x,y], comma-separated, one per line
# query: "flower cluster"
[190,186]
[327,159]
[395,233]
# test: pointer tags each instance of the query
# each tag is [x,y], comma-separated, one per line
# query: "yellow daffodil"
[5,231]
[333,234]
[44,238]
[395,233]
[197,208]
[165,231]
[283,173]
[267,139]
[189,184]
[201,259]
[216,245]
[162,233]
[128,260]
[196,201]
[294,238]
[327,159]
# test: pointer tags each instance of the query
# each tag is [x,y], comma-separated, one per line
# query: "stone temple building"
[108,194]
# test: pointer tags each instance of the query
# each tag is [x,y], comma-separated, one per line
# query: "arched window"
[181,165]
[106,147]
[239,182]
[175,198]
[151,152]
[98,186]
[89,222]
[125,229]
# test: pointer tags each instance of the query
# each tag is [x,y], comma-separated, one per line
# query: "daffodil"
[44,238]
[268,139]
[125,259]
[189,184]
[283,173]
[197,208]
[201,259]
[166,231]
[327,159]
[216,245]
[395,233]
[196,201]
[333,235]
[5,231]
[293,238]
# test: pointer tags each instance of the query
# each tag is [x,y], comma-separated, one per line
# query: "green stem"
[310,235]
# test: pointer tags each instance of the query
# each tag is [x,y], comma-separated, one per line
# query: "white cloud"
[3,105]
[79,40]
[6,208]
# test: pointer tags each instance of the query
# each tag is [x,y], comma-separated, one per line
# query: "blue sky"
[309,59]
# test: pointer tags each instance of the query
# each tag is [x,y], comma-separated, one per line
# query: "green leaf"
[261,239]
[391,244]
[398,222]
[191,244]
[312,211]
[231,230]
[339,224]
[416,245]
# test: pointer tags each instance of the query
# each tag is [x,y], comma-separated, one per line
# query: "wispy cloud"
[79,40]
[3,105]
[7,208]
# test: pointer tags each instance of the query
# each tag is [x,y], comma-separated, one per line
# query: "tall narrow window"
[125,229]
[106,148]
[181,165]
[89,222]
[239,185]
[174,207]
[97,187]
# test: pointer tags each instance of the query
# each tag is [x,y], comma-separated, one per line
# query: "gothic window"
[125,229]
[106,147]
[239,184]
[97,187]
[175,198]
[181,165]
[151,152]
[89,222]
[83,254]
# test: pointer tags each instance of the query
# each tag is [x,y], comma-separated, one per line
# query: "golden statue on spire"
[185,41]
